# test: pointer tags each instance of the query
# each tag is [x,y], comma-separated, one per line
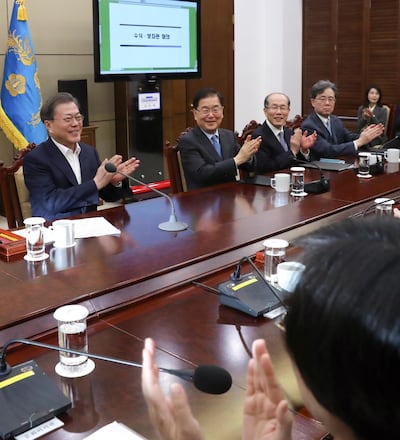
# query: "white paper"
[115,430]
[94,227]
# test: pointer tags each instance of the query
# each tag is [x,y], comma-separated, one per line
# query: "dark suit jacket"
[271,156]
[340,143]
[201,163]
[53,189]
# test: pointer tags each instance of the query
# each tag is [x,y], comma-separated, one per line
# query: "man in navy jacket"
[64,176]
[333,138]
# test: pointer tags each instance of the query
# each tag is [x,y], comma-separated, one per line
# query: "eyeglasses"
[275,108]
[216,110]
[69,119]
[325,98]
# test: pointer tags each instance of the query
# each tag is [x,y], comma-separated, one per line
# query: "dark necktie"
[217,145]
[282,141]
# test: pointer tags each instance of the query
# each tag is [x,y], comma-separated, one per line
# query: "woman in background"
[372,112]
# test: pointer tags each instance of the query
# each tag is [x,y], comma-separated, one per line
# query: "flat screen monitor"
[139,38]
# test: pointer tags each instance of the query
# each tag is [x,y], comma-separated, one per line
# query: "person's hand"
[127,167]
[171,416]
[367,114]
[370,133]
[396,212]
[295,141]
[102,177]
[248,150]
[266,414]
[307,141]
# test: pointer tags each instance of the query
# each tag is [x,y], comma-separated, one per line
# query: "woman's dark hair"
[48,108]
[206,93]
[366,101]
[343,324]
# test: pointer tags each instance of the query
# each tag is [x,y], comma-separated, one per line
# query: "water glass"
[35,249]
[297,181]
[72,334]
[275,252]
[383,206]
[363,164]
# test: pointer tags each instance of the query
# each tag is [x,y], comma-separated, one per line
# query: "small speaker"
[78,89]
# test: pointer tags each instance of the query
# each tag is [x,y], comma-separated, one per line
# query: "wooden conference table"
[139,284]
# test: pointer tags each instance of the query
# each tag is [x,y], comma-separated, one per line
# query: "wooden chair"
[14,193]
[390,121]
[174,165]
[247,130]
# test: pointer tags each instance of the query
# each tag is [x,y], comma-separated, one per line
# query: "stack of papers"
[94,227]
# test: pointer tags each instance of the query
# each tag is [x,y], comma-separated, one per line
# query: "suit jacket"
[202,165]
[271,156]
[340,143]
[53,189]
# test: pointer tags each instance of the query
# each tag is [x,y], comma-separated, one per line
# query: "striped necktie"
[328,126]
[217,145]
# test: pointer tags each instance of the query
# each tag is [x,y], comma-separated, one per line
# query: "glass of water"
[72,335]
[275,253]
[297,181]
[35,248]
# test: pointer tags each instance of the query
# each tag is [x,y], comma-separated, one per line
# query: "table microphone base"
[173,226]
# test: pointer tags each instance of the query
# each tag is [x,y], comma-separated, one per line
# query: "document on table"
[84,228]
[94,227]
[115,430]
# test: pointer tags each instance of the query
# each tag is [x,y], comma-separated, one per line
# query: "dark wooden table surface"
[139,284]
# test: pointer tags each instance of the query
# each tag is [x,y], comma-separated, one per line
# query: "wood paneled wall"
[354,43]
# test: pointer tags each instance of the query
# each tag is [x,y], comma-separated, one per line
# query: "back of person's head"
[322,85]
[343,324]
[206,93]
[48,108]
[368,89]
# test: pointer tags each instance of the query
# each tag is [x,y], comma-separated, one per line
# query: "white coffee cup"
[281,182]
[288,274]
[392,155]
[64,233]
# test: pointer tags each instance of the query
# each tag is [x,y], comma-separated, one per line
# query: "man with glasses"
[64,176]
[280,146]
[333,138]
[210,154]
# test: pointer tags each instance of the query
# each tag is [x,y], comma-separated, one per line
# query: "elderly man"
[64,176]
[280,146]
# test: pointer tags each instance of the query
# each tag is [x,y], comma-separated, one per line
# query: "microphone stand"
[172,225]
[207,378]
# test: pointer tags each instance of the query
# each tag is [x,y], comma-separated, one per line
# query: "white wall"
[268,55]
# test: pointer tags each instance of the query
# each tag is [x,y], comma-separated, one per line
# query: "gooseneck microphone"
[172,225]
[207,378]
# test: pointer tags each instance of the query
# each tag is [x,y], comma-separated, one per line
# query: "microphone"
[207,378]
[316,186]
[172,225]
[236,276]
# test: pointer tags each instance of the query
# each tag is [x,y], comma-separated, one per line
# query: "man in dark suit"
[210,154]
[280,146]
[64,176]
[333,138]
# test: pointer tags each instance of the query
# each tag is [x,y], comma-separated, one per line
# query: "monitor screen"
[146,37]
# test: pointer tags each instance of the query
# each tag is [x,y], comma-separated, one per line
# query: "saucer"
[364,176]
[64,247]
[75,371]
[43,257]
[303,194]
